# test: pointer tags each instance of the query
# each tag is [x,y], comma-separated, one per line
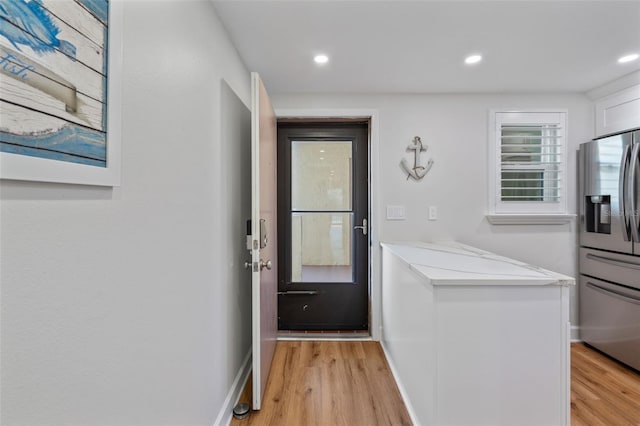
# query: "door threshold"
[324,335]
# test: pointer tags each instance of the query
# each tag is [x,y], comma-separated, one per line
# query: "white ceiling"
[401,46]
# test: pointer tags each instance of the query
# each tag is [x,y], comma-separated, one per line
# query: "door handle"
[298,293]
[363,227]
[264,264]
[614,262]
[633,193]
[625,297]
[623,188]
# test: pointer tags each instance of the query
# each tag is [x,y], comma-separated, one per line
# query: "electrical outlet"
[433,213]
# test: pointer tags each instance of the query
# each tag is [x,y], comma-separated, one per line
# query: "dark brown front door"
[323,212]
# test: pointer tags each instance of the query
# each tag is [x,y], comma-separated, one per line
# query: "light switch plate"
[395,213]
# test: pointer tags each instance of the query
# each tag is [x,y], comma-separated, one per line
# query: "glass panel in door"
[321,247]
[321,211]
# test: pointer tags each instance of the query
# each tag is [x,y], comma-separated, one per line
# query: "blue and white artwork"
[53,79]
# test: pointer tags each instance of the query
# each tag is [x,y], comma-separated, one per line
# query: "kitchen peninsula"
[475,338]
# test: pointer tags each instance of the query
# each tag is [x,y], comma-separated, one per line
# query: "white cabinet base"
[477,354]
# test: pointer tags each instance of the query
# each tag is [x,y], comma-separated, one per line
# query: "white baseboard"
[575,334]
[403,392]
[336,338]
[226,412]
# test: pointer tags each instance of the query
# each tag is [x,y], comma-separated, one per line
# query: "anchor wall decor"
[418,171]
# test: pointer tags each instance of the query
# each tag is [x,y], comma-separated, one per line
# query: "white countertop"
[452,263]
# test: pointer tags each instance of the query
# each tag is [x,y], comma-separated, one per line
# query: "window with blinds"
[530,163]
[529,156]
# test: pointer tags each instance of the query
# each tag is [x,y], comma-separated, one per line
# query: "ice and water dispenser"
[598,214]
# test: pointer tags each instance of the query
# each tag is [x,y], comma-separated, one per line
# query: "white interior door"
[264,277]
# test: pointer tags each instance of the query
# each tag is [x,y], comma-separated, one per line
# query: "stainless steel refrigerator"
[609,176]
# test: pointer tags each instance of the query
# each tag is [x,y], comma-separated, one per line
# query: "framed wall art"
[60,83]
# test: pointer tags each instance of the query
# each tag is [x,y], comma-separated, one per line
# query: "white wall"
[455,129]
[123,306]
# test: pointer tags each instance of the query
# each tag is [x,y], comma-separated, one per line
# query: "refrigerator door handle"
[613,293]
[632,192]
[614,262]
[623,188]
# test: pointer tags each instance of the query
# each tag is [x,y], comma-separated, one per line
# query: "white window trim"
[530,219]
[513,213]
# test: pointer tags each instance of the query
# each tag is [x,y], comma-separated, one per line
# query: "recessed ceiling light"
[473,59]
[628,58]
[321,59]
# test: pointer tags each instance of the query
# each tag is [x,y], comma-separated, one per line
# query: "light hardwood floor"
[329,383]
[603,391]
[349,383]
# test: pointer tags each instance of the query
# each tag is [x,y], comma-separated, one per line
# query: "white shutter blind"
[531,163]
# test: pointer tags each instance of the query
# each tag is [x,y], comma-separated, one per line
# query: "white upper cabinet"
[618,112]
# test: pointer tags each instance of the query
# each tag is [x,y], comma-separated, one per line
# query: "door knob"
[264,264]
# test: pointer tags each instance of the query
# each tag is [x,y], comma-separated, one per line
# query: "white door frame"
[375,280]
